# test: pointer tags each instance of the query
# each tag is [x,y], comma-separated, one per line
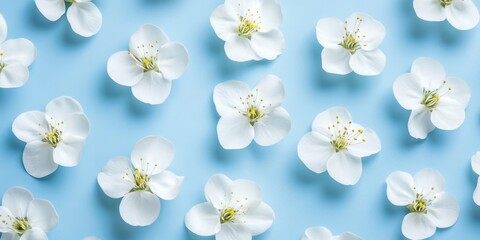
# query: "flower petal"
[245,193]
[62,107]
[34,234]
[429,71]
[417,226]
[429,10]
[330,32]
[69,151]
[51,9]
[476,193]
[41,214]
[273,127]
[268,45]
[420,123]
[400,188]
[152,154]
[139,208]
[172,59]
[347,236]
[258,220]
[145,35]
[370,143]
[13,75]
[19,50]
[334,115]
[17,199]
[458,91]
[226,96]
[165,185]
[84,18]
[368,63]
[9,236]
[238,49]
[271,15]
[30,126]
[152,89]
[444,210]
[270,89]
[76,124]
[224,21]
[317,233]
[6,218]
[448,115]
[345,168]
[408,91]
[235,132]
[372,32]
[203,220]
[3,29]
[314,150]
[335,59]
[38,159]
[233,232]
[122,69]
[216,189]
[475,162]
[462,15]
[113,179]
[429,180]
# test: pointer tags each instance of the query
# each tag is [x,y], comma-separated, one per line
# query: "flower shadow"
[70,38]
[192,236]
[16,146]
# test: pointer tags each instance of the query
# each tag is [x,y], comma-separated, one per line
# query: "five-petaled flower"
[54,137]
[15,57]
[150,65]
[337,145]
[234,210]
[248,115]
[24,218]
[352,45]
[142,181]
[322,233]
[462,14]
[475,161]
[249,29]
[83,16]
[435,99]
[423,195]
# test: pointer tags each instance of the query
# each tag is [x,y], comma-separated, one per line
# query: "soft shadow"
[140,109]
[301,173]
[450,35]
[71,38]
[192,236]
[6,96]
[16,146]
[119,229]
[37,19]
[110,89]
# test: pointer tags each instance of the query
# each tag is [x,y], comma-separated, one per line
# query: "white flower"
[251,115]
[322,233]
[150,65]
[337,145]
[250,29]
[234,210]
[25,218]
[54,137]
[140,186]
[352,45]
[83,16]
[462,14]
[15,57]
[428,204]
[476,168]
[435,99]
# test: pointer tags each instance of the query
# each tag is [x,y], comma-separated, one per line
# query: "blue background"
[68,64]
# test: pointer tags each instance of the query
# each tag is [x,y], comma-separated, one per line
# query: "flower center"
[147,59]
[228,215]
[2,64]
[431,97]
[252,107]
[342,137]
[247,27]
[21,225]
[420,204]
[351,39]
[141,180]
[445,3]
[53,136]
[70,1]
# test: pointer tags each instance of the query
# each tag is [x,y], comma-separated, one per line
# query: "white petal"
[408,91]
[84,18]
[429,71]
[76,124]
[224,21]
[34,234]
[68,151]
[258,220]
[113,178]
[245,193]
[6,218]
[122,69]
[458,91]
[172,60]
[429,10]
[3,29]
[271,15]
[314,150]
[417,226]
[372,32]
[444,210]
[217,188]
[273,127]
[475,161]
[17,199]
[243,6]
[317,233]
[462,14]
[235,132]
[10,236]
[420,123]
[370,146]
[335,59]
[368,63]
[347,236]
[153,88]
[400,190]
[62,107]
[329,117]
[19,50]
[233,232]
[152,153]
[147,34]
[429,180]
[238,49]
[448,115]
[270,89]
[226,96]
[38,159]
[51,9]
[42,214]
[30,126]
[203,220]
[330,32]
[476,193]
[268,45]
[13,75]
[345,168]
[140,208]
[165,185]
